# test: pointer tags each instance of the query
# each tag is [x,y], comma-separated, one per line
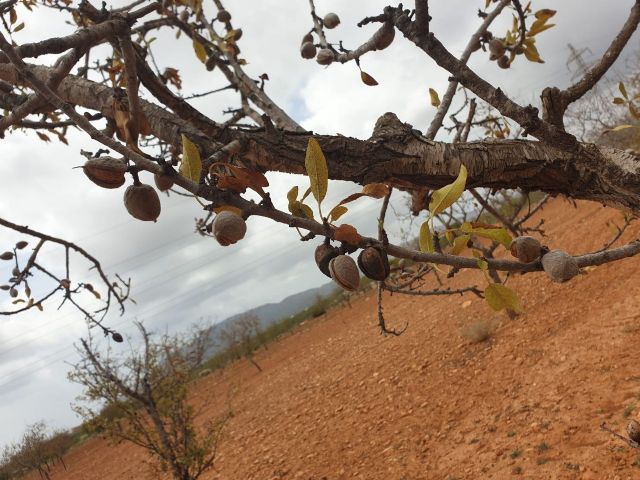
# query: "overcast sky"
[179,277]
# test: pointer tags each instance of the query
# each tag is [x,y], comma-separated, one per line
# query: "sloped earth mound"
[337,400]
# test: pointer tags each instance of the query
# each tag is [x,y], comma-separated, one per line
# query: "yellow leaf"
[191,165]
[623,90]
[426,238]
[499,297]
[545,14]
[499,235]
[435,99]
[459,244]
[446,196]
[619,101]
[538,27]
[292,195]
[201,53]
[336,212]
[531,53]
[228,208]
[307,211]
[18,28]
[634,111]
[306,194]
[299,209]
[618,128]
[317,170]
[368,79]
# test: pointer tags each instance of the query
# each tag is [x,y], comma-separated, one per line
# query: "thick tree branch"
[401,158]
[527,117]
[474,41]
[555,101]
[595,73]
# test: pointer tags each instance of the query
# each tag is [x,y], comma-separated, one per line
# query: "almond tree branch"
[489,208]
[556,101]
[130,61]
[61,69]
[474,41]
[111,291]
[527,117]
[595,73]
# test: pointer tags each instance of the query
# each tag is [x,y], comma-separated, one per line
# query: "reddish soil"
[337,400]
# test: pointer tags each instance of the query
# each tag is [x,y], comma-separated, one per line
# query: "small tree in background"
[242,336]
[148,390]
[38,450]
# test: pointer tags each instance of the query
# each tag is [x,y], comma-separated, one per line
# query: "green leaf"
[499,297]
[459,244]
[619,101]
[191,165]
[201,53]
[435,99]
[426,238]
[623,90]
[18,28]
[499,235]
[449,194]
[317,170]
[337,212]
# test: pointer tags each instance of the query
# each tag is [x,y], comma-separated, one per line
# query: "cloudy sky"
[179,277]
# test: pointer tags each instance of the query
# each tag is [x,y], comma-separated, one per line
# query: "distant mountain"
[272,312]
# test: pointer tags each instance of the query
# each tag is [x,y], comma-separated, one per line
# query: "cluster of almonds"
[140,200]
[373,262]
[17,276]
[143,203]
[497,49]
[557,264]
[325,56]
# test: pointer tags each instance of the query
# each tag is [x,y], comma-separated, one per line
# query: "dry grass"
[479,330]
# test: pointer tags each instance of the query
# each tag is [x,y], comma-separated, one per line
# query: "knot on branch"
[389,127]
[533,122]
[553,107]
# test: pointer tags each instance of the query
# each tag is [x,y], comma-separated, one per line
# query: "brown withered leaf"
[347,233]
[227,182]
[368,79]
[172,76]
[375,190]
[124,130]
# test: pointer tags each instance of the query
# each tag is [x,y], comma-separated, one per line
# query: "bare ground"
[337,400]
